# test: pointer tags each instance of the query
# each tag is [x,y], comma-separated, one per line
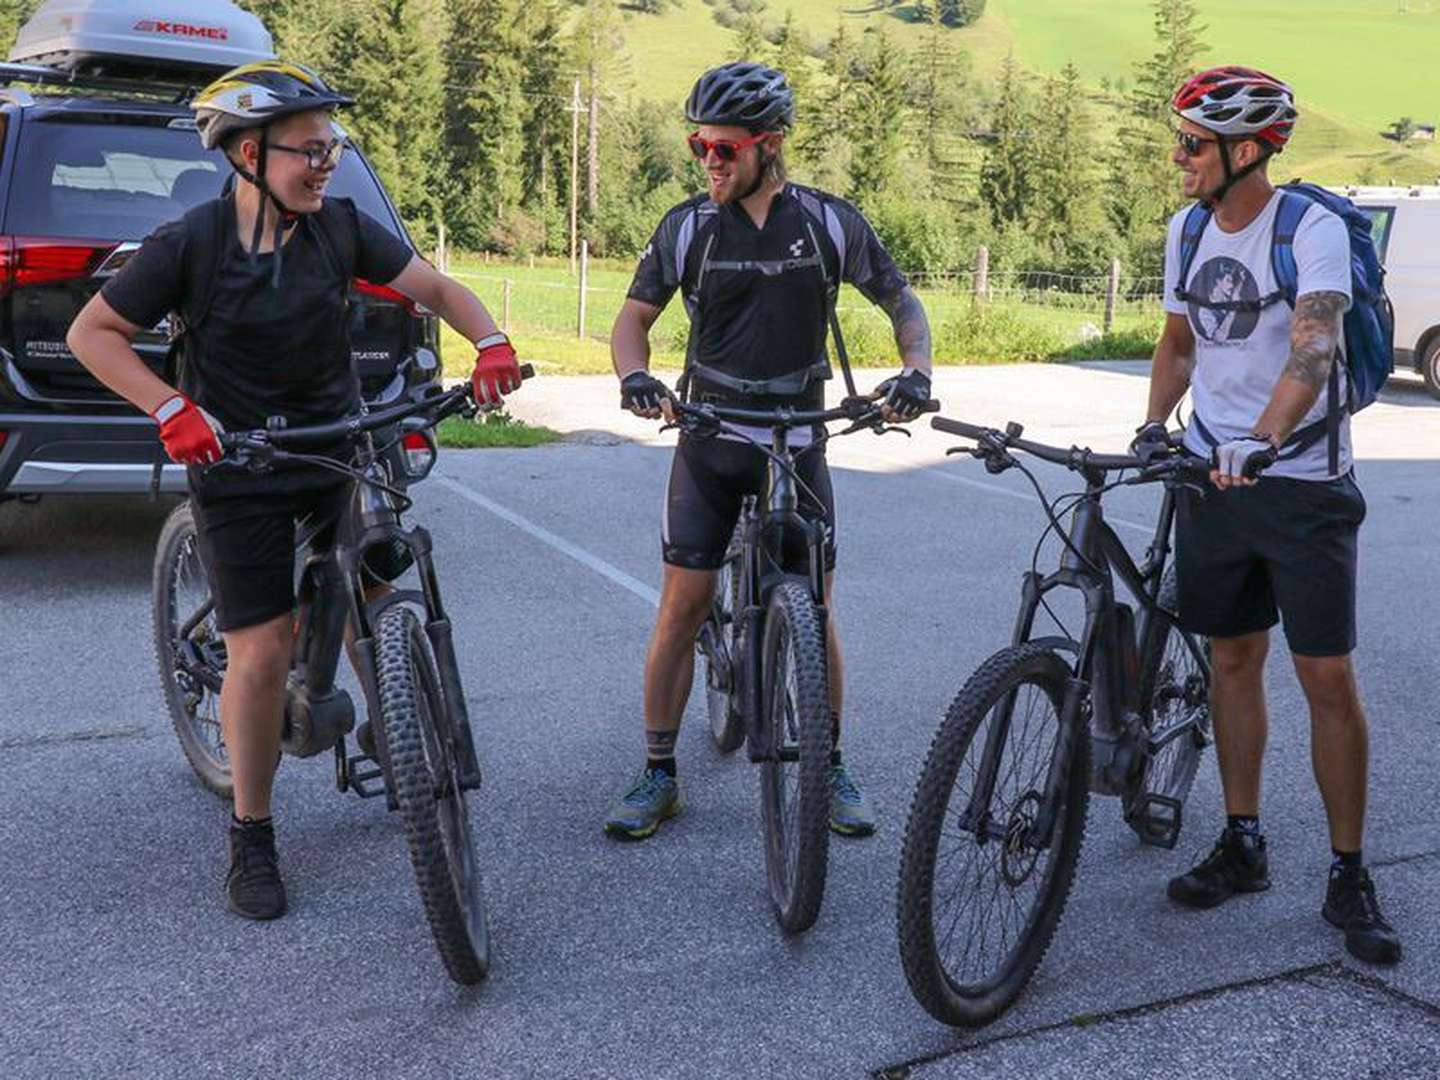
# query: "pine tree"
[1007,175]
[824,144]
[547,122]
[395,73]
[597,52]
[878,119]
[750,43]
[484,118]
[13,15]
[791,58]
[1067,215]
[1179,43]
[941,74]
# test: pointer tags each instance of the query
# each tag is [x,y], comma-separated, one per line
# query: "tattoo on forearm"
[1315,336]
[912,328]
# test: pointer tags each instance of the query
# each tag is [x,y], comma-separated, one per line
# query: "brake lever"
[886,429]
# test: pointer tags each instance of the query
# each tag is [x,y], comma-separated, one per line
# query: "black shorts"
[1247,557]
[247,544]
[709,479]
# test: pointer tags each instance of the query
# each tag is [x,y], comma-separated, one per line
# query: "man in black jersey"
[757,260]
[270,341]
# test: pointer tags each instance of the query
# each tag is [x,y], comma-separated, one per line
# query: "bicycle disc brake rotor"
[1017,858]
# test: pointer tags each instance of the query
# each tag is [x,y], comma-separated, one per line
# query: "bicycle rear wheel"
[424,772]
[179,589]
[795,784]
[979,897]
[727,722]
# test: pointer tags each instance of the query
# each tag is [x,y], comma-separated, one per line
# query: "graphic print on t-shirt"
[1222,280]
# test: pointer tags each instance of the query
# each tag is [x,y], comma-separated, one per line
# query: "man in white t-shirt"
[1253,552]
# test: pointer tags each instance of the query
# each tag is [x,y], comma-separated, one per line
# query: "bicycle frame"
[1105,672]
[762,566]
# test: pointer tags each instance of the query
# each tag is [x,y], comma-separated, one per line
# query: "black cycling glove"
[642,391]
[1151,441]
[908,393]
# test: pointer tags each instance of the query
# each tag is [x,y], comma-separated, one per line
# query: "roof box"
[159,40]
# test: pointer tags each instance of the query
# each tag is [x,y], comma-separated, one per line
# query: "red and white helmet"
[1239,101]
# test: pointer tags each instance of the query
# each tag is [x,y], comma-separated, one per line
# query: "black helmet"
[743,94]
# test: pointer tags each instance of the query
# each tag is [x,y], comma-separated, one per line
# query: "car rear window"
[1380,220]
[120,181]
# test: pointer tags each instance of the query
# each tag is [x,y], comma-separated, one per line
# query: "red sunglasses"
[725,149]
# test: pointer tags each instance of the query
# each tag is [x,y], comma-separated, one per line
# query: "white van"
[1406,224]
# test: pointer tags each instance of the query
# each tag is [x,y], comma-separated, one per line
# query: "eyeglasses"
[725,149]
[317,157]
[1191,145]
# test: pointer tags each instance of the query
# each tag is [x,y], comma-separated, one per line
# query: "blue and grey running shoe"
[850,811]
[654,797]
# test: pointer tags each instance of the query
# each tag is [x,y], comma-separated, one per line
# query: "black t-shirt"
[263,351]
[757,297]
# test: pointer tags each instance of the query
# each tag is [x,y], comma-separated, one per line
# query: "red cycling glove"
[497,371]
[187,432]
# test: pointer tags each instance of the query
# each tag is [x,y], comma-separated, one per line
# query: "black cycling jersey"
[263,351]
[758,299]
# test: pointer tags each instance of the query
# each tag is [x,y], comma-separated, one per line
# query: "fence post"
[442,261]
[1112,294]
[505,308]
[584,283]
[980,287]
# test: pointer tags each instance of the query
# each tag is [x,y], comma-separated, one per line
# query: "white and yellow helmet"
[259,94]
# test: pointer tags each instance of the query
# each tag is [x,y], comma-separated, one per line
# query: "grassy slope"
[1357,65]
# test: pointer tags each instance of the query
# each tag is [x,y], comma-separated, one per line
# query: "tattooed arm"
[1170,367]
[912,329]
[1315,335]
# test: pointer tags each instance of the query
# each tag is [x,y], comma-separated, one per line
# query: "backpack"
[1369,325]
[827,235]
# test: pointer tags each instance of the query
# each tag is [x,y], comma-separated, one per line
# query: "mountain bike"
[424,761]
[1122,709]
[766,668]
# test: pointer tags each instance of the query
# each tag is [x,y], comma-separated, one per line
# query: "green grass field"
[1356,65]
[544,302]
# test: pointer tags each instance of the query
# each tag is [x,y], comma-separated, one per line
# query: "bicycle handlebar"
[854,409]
[438,405]
[993,443]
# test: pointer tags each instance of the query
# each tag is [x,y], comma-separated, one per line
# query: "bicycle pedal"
[364,772]
[1156,820]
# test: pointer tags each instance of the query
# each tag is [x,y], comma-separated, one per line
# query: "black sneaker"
[1237,864]
[1350,904]
[253,884]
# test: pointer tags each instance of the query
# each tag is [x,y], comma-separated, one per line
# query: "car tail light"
[3,436]
[388,295]
[419,450]
[38,260]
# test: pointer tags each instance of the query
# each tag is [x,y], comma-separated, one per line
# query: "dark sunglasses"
[317,157]
[725,149]
[1191,145]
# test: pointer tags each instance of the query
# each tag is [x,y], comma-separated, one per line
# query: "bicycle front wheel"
[179,591]
[727,722]
[795,780]
[980,892]
[424,773]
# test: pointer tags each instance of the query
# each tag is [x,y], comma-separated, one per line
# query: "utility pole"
[575,110]
[592,174]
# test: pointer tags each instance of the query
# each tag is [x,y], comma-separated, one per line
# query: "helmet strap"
[1232,175]
[285,218]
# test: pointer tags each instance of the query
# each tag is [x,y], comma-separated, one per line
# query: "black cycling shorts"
[1284,549]
[710,477]
[247,544]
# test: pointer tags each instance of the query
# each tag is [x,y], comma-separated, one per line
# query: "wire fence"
[1089,304]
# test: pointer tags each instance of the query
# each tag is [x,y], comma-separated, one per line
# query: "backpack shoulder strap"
[1292,210]
[819,209]
[204,249]
[337,234]
[1196,218]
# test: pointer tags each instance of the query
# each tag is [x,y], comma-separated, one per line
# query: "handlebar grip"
[955,427]
[527,371]
[932,405]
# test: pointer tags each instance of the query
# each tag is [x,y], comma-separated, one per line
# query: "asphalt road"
[662,959]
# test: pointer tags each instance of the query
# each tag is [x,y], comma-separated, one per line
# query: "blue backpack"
[1369,324]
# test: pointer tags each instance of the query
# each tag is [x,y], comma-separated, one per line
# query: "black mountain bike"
[998,814]
[425,760]
[766,671]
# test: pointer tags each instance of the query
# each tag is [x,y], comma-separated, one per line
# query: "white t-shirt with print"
[1241,355]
